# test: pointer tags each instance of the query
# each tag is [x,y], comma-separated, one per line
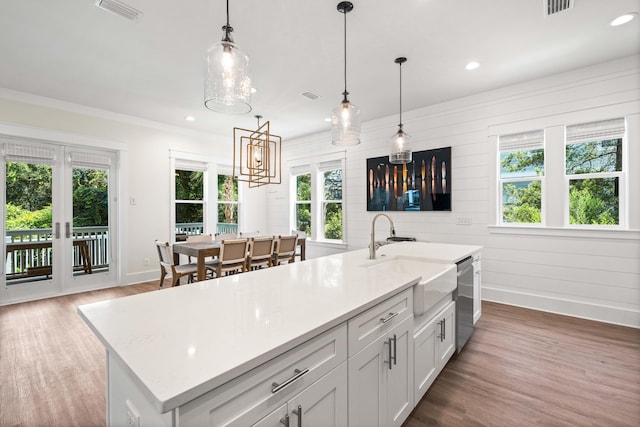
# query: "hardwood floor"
[524,368]
[520,368]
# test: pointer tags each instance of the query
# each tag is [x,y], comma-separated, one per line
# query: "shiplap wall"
[593,275]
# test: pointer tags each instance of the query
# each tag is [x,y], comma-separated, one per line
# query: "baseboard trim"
[601,313]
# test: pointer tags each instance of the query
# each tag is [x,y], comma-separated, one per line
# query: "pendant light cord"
[400,125]
[345,93]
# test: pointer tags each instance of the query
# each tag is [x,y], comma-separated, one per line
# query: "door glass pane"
[28,236]
[90,237]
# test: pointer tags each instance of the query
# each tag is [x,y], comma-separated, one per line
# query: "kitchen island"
[171,351]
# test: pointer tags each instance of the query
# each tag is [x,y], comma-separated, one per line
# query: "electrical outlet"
[145,261]
[463,221]
[133,416]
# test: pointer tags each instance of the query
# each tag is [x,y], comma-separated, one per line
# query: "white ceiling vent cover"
[120,9]
[552,7]
[312,96]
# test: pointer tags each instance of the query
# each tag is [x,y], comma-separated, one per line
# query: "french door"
[58,219]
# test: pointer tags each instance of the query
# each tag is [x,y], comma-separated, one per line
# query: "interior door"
[57,219]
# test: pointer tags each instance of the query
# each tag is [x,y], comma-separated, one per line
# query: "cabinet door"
[399,384]
[426,357]
[380,395]
[446,335]
[477,288]
[366,369]
[323,404]
[274,419]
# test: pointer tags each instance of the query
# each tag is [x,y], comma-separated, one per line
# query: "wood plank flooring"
[520,368]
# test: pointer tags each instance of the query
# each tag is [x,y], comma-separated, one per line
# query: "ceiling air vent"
[552,7]
[120,9]
[312,96]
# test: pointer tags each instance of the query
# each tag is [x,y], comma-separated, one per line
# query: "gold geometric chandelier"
[257,156]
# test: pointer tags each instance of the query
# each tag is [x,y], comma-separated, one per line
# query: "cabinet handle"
[298,412]
[389,317]
[390,354]
[285,420]
[395,350]
[441,336]
[275,387]
[444,329]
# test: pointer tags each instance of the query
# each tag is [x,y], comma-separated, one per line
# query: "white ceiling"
[71,50]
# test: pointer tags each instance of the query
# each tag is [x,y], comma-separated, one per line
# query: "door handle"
[67,229]
[56,234]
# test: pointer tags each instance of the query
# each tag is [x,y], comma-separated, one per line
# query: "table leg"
[202,271]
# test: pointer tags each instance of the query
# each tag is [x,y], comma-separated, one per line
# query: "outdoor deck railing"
[37,261]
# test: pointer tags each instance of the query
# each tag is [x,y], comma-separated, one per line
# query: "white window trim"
[313,165]
[621,175]
[554,171]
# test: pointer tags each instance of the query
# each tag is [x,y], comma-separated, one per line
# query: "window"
[331,220]
[189,199]
[303,203]
[594,171]
[227,204]
[317,197]
[521,174]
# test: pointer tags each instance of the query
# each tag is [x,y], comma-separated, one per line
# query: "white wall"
[593,275]
[145,151]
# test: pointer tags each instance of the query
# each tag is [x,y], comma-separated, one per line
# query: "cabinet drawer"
[375,322]
[251,395]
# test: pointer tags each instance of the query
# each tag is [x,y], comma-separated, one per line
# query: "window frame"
[189,164]
[316,167]
[224,171]
[621,175]
[533,139]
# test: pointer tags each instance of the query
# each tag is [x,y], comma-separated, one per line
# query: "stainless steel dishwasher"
[463,296]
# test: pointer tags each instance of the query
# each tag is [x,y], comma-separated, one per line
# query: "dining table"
[203,250]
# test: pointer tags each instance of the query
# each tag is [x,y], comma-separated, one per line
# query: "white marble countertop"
[181,342]
[433,252]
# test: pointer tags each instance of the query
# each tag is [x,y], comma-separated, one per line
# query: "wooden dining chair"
[225,236]
[301,235]
[232,258]
[285,250]
[260,252]
[167,265]
[196,238]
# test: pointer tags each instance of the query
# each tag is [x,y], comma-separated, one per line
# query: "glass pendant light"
[345,118]
[400,145]
[227,86]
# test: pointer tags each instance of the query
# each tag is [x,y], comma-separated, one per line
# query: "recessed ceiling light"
[472,65]
[623,19]
[190,118]
[327,119]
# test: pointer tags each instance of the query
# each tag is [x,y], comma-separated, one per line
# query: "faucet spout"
[372,244]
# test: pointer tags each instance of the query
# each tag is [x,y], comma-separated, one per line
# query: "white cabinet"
[323,404]
[477,287]
[434,344]
[381,379]
[312,375]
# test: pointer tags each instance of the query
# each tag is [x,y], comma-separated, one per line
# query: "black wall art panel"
[422,185]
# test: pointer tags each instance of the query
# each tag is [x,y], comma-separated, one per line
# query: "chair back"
[233,252]
[249,234]
[300,234]
[199,238]
[286,248]
[260,252]
[165,254]
[225,236]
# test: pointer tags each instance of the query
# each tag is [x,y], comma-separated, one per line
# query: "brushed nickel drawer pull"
[297,374]
[389,317]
